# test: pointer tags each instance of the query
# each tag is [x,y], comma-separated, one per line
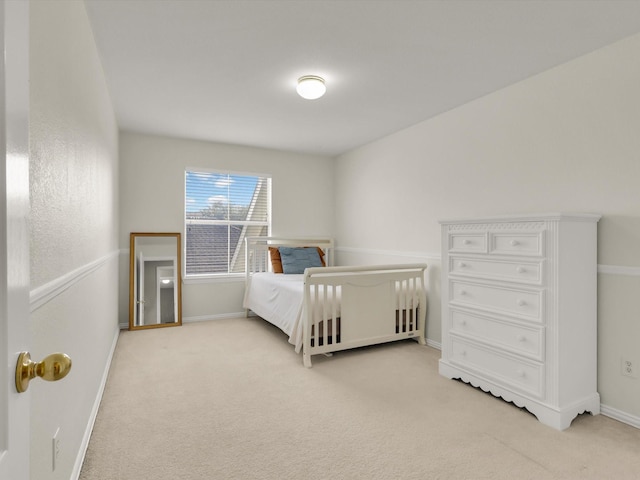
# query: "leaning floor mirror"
[155,295]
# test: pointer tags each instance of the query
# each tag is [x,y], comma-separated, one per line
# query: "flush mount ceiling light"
[311,87]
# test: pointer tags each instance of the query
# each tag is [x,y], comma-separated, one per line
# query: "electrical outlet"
[55,449]
[628,368]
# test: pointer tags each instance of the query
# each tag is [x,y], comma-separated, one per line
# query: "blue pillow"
[296,259]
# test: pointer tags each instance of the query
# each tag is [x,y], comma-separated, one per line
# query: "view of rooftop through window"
[221,210]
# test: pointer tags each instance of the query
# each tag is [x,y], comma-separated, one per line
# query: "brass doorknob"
[54,367]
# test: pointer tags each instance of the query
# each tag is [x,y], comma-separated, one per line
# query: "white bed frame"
[377,303]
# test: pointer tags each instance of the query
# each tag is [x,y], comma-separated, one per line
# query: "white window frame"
[226,276]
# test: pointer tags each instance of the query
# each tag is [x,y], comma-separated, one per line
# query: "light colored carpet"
[230,399]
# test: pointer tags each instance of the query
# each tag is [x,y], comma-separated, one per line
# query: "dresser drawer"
[525,304]
[509,371]
[519,339]
[505,243]
[506,270]
[468,242]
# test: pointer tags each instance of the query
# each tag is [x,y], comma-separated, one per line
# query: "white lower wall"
[564,140]
[81,322]
[74,227]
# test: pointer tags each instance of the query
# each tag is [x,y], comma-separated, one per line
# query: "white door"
[14,235]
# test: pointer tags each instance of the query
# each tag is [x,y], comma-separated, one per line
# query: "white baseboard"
[77,467]
[219,316]
[619,415]
[201,318]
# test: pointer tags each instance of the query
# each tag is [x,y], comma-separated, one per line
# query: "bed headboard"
[257,250]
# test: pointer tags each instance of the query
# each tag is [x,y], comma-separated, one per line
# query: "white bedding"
[278,299]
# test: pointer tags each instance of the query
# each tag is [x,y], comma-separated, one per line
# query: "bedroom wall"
[152,200]
[564,140]
[74,225]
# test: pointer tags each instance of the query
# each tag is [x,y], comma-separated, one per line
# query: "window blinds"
[221,209]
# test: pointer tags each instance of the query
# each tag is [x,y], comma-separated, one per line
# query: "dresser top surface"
[528,217]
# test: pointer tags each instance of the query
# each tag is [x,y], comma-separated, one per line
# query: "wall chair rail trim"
[619,270]
[393,253]
[42,295]
[602,269]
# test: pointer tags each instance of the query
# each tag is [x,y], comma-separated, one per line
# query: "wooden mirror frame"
[177,279]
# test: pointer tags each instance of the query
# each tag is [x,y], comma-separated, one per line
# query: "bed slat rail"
[350,306]
[400,292]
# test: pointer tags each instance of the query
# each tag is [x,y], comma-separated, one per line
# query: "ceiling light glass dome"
[311,87]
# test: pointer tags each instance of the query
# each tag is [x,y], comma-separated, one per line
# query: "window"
[221,210]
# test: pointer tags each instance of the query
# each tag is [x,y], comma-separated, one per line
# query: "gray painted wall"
[74,228]
[152,200]
[564,140]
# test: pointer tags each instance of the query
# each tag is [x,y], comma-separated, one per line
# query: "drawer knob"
[463,323]
[520,373]
[521,303]
[521,338]
[462,264]
[466,241]
[514,243]
[463,292]
[520,269]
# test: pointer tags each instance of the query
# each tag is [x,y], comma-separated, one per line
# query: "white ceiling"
[226,71]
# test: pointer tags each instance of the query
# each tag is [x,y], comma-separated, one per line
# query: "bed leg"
[421,340]
[306,359]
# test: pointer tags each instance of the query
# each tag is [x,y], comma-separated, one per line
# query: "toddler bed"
[323,308]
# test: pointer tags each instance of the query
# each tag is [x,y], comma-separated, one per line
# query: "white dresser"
[519,310]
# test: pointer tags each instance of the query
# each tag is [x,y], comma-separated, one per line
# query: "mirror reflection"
[154,281]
